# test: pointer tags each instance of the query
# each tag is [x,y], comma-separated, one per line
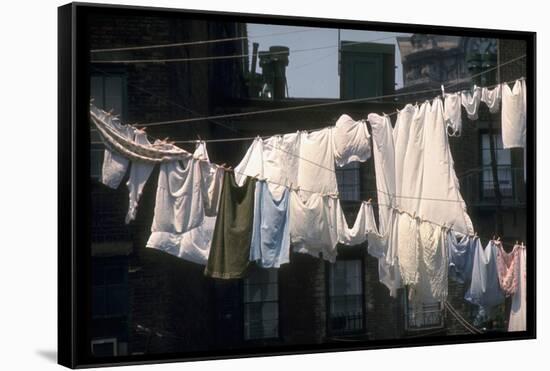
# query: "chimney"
[273,64]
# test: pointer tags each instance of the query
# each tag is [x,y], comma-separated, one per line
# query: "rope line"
[222,57]
[318,105]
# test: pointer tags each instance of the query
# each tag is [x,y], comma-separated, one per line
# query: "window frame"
[118,262]
[348,253]
[109,72]
[114,341]
[485,192]
[244,304]
[351,167]
[409,328]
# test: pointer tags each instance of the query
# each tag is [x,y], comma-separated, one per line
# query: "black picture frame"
[74,188]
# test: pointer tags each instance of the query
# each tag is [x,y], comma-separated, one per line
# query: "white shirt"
[492,98]
[514,112]
[453,113]
[313,225]
[139,174]
[194,244]
[115,165]
[316,170]
[470,101]
[351,140]
[357,234]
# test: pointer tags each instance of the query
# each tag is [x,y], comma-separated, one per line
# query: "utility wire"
[193,43]
[167,100]
[219,57]
[317,105]
[467,325]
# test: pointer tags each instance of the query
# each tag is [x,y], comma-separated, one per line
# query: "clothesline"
[323,104]
[242,139]
[328,169]
[234,56]
[467,325]
[335,195]
[392,195]
[214,118]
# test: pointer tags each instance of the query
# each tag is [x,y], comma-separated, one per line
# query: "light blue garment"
[270,229]
[485,288]
[461,250]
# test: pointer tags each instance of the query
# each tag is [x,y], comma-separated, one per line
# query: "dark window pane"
[117,299]
[115,274]
[346,296]
[261,307]
[103,349]
[99,307]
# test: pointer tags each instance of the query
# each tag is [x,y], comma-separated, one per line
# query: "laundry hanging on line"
[518,311]
[192,244]
[416,176]
[176,153]
[485,290]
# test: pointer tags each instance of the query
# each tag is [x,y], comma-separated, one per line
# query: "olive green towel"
[230,249]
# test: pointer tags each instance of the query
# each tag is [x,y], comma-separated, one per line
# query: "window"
[348,178]
[423,316]
[261,304]
[110,288]
[345,289]
[104,347]
[504,167]
[108,92]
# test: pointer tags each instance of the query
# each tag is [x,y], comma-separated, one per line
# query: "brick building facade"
[146,301]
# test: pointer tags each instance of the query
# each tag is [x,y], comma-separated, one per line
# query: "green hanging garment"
[230,250]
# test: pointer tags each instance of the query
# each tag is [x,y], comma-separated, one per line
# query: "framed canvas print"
[237,185]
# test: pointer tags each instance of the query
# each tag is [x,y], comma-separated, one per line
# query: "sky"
[314,73]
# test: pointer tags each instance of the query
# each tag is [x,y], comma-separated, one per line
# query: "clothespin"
[475,234]
[442,91]
[498,239]
[369,200]
[517,243]
[494,236]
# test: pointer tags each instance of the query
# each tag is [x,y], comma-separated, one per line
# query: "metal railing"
[478,189]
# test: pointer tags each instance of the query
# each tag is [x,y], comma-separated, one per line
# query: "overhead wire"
[339,102]
[467,325]
[197,42]
[318,105]
[220,57]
